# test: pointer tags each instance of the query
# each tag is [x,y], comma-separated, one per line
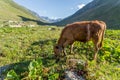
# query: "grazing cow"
[83,31]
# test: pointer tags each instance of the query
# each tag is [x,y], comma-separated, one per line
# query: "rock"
[72,75]
[73,62]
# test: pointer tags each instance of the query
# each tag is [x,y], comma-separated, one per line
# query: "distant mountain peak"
[50,20]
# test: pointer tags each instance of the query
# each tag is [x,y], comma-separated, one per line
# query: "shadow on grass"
[19,68]
[44,42]
[47,58]
[43,49]
[37,21]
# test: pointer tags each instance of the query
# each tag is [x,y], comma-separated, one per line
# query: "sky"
[53,8]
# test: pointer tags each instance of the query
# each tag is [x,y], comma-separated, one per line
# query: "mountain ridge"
[105,10]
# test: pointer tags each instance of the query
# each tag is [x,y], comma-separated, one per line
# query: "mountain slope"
[9,10]
[106,10]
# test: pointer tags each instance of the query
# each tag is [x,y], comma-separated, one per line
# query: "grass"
[17,13]
[30,51]
[17,43]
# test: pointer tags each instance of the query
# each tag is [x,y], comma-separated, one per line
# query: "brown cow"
[83,31]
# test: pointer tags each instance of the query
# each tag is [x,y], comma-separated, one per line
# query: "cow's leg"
[100,45]
[96,44]
[96,51]
[87,50]
[63,50]
[71,48]
[101,39]
[68,42]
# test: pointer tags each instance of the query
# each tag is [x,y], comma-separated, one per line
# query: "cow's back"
[76,31]
[80,31]
[97,26]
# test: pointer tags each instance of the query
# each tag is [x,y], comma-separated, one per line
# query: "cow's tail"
[102,36]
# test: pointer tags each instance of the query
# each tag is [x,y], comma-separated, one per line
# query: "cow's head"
[57,50]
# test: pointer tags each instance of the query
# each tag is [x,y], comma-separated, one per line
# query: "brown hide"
[81,31]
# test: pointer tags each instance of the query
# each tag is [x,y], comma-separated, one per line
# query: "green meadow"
[29,51]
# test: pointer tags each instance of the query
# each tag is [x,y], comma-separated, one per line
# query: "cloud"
[80,6]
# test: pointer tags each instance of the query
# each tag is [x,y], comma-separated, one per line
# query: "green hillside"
[9,10]
[106,10]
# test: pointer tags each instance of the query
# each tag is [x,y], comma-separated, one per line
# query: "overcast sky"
[53,8]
